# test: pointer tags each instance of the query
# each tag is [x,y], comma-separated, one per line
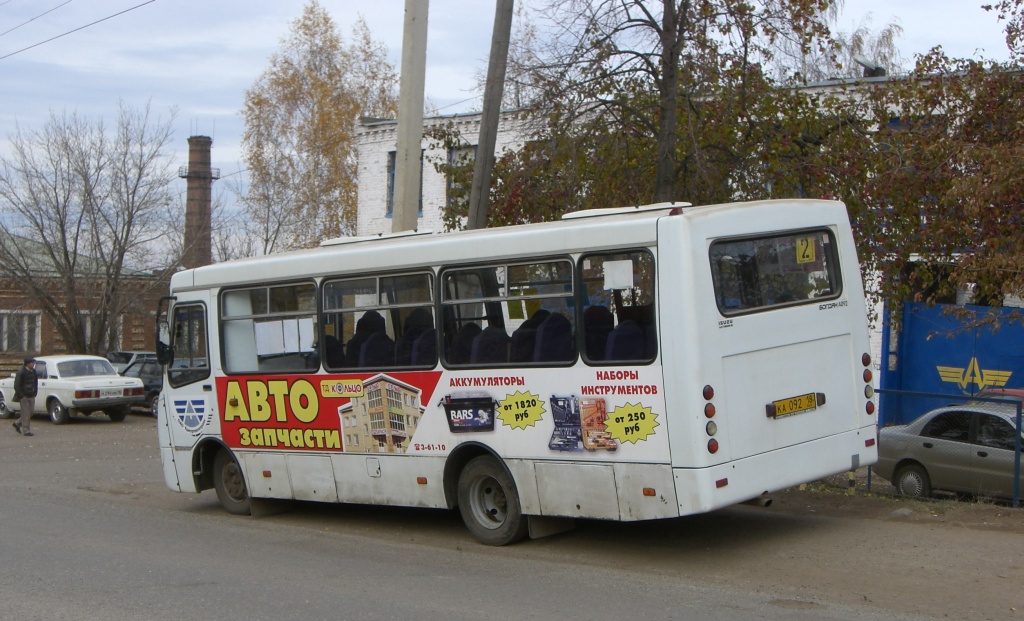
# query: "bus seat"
[490,346]
[650,341]
[597,325]
[370,323]
[377,351]
[625,342]
[334,351]
[462,344]
[554,339]
[524,337]
[419,321]
[424,349]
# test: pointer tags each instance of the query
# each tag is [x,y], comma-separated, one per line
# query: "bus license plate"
[794,405]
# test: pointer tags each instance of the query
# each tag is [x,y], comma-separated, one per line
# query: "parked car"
[123,359]
[965,448]
[77,385]
[147,369]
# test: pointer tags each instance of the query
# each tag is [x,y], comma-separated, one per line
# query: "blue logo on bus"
[191,414]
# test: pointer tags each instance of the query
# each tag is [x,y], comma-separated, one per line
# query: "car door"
[992,456]
[44,386]
[945,450]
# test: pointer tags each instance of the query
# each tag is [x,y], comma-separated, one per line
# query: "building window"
[19,331]
[392,167]
[90,323]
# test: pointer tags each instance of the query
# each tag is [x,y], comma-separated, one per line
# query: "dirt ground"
[832,498]
[816,546]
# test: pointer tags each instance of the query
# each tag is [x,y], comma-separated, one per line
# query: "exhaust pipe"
[763,500]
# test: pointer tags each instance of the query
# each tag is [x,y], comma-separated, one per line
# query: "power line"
[33,19]
[77,29]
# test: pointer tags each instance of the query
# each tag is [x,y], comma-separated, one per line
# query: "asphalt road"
[91,533]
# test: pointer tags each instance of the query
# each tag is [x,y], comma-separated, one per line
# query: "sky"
[199,57]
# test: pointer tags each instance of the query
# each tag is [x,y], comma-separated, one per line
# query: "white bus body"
[700,357]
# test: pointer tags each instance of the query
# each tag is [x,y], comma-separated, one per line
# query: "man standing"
[26,385]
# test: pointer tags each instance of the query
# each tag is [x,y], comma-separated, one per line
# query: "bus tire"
[230,484]
[912,481]
[489,503]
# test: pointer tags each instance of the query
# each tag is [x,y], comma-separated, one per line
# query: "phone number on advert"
[428,447]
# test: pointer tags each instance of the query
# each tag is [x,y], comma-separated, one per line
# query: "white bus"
[620,364]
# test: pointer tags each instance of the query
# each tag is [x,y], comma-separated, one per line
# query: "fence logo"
[974,374]
[191,414]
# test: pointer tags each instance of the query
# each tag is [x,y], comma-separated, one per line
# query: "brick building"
[26,329]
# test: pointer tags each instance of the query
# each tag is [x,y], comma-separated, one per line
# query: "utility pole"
[480,190]
[405,211]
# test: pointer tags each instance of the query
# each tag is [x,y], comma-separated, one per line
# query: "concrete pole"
[480,190]
[410,117]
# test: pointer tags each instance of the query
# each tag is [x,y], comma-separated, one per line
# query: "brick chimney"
[197,250]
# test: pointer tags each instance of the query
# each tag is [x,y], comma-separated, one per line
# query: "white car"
[77,385]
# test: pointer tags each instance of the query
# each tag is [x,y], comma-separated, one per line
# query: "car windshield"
[84,368]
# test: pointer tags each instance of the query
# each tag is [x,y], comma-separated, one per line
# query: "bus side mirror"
[164,350]
[164,353]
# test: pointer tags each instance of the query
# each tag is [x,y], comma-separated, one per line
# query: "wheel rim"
[911,484]
[56,411]
[234,484]
[488,501]
[3,409]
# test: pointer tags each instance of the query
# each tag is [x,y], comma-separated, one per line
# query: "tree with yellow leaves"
[300,120]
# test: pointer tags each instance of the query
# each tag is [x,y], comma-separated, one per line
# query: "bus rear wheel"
[230,484]
[489,503]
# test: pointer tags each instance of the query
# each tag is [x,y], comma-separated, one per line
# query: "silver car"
[965,448]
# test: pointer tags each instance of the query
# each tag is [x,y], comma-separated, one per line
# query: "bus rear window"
[761,273]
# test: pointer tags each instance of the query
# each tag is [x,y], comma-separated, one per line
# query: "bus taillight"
[865,359]
[712,446]
[709,393]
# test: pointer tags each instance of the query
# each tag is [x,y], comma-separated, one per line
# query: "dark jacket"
[26,383]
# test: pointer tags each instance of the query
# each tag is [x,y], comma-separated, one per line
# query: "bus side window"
[376,322]
[506,314]
[619,323]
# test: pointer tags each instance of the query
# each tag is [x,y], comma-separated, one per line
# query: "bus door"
[189,401]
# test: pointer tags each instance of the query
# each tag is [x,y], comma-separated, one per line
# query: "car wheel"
[489,503]
[153,403]
[58,413]
[912,481]
[230,484]
[119,413]
[5,412]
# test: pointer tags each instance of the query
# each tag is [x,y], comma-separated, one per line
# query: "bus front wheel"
[230,484]
[489,503]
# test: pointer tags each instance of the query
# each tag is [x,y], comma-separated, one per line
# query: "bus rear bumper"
[706,489]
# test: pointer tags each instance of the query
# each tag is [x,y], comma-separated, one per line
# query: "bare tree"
[82,207]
